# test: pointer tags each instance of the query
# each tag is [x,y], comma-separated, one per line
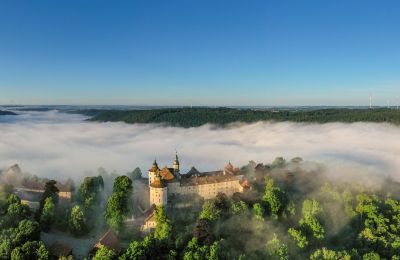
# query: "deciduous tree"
[47,216]
[274,197]
[77,221]
[210,211]
[276,250]
[103,253]
[163,227]
[258,211]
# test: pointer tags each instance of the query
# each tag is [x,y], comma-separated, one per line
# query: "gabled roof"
[193,171]
[166,174]
[154,167]
[148,214]
[231,170]
[32,185]
[64,187]
[40,186]
[229,166]
[29,195]
[109,240]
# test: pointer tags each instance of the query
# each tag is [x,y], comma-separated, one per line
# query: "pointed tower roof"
[229,166]
[154,167]
[176,158]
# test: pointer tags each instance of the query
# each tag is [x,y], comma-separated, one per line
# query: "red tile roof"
[109,240]
[166,174]
[157,183]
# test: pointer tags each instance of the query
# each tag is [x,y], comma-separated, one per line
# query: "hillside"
[192,117]
[7,113]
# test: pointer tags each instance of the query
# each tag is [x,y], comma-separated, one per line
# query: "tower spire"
[370,101]
[176,162]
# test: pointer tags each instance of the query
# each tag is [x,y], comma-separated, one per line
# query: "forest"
[292,209]
[197,116]
[7,113]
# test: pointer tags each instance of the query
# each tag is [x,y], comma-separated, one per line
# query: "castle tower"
[153,171]
[175,165]
[158,191]
[228,169]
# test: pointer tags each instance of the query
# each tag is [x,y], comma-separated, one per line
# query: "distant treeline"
[7,113]
[192,117]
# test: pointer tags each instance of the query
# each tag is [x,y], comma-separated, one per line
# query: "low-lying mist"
[64,146]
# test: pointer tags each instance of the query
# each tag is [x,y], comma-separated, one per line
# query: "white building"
[167,182]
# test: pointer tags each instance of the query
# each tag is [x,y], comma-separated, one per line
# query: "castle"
[169,182]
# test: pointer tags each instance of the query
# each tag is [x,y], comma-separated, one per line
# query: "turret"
[228,169]
[175,165]
[158,191]
[153,171]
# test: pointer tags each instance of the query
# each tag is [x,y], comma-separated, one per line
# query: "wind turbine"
[370,101]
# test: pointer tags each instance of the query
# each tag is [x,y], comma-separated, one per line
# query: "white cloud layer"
[61,146]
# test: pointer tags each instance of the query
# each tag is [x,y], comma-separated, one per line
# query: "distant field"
[192,117]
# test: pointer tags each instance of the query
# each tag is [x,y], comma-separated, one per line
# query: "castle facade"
[169,182]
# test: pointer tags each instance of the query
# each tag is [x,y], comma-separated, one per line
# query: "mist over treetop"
[70,146]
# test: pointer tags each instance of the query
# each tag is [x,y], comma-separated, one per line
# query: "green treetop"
[163,227]
[78,221]
[210,211]
[103,253]
[274,197]
[48,212]
[123,184]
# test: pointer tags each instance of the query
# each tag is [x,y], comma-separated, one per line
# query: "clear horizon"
[225,53]
[199,129]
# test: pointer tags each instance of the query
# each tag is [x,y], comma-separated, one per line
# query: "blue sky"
[199,52]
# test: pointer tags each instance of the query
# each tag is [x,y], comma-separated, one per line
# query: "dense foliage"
[84,217]
[103,253]
[89,191]
[192,117]
[19,233]
[48,212]
[78,223]
[292,210]
[119,204]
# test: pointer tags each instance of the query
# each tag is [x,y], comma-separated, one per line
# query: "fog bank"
[64,146]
